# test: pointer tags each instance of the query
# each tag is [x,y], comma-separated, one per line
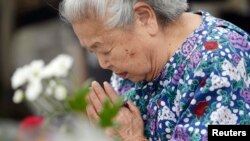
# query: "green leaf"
[109,112]
[78,101]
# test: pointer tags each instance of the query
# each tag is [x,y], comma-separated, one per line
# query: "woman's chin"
[135,78]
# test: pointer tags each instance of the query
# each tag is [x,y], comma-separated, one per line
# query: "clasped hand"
[129,118]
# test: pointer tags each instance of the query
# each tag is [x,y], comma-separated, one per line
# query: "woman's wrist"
[144,139]
[141,138]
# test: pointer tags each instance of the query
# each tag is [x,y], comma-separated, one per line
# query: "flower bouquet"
[44,87]
[56,101]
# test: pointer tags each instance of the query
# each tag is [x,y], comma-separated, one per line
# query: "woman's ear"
[146,17]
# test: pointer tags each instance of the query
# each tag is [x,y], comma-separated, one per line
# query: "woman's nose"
[103,61]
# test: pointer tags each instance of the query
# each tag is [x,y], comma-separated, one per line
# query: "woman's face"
[125,52]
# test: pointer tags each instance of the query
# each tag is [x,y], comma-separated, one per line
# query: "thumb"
[133,108]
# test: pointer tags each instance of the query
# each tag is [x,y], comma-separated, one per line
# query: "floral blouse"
[205,82]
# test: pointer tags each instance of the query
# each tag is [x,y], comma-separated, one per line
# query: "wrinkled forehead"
[95,27]
[91,23]
[88,30]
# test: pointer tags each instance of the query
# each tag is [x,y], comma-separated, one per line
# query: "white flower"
[199,73]
[34,89]
[166,114]
[177,102]
[35,70]
[20,77]
[50,88]
[242,70]
[27,73]
[230,70]
[218,82]
[58,67]
[164,83]
[60,92]
[49,91]
[223,115]
[18,96]
[52,83]
[35,74]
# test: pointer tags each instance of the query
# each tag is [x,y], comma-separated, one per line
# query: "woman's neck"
[171,39]
[178,31]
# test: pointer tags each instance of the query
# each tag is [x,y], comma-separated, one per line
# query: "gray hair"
[119,13]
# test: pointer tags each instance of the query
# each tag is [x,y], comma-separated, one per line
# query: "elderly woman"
[180,71]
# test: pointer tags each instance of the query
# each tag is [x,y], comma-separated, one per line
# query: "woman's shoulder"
[216,24]
[220,36]
[225,39]
[219,41]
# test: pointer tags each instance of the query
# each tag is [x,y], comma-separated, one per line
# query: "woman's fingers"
[91,113]
[110,91]
[133,108]
[99,91]
[94,100]
[97,97]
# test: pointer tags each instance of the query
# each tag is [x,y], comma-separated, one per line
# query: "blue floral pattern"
[205,82]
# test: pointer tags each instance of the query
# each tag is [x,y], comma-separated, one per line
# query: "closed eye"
[107,52]
[89,50]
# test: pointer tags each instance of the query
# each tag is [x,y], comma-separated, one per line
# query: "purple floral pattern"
[180,134]
[188,46]
[238,41]
[245,93]
[236,59]
[152,126]
[195,59]
[205,137]
[178,74]
[124,89]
